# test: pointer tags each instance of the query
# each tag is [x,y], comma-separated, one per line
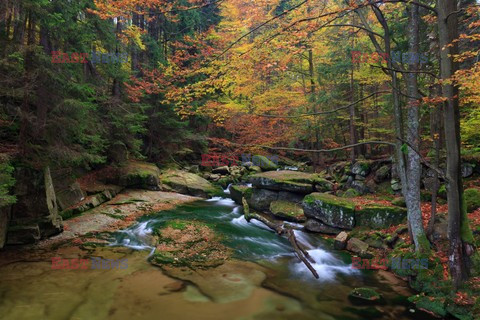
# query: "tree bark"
[412,196]
[447,30]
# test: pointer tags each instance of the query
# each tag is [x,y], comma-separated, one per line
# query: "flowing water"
[264,280]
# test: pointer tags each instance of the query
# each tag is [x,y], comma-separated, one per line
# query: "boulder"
[264,163]
[467,170]
[360,187]
[350,193]
[189,183]
[237,193]
[382,174]
[290,196]
[379,217]
[314,225]
[221,170]
[142,175]
[288,211]
[284,180]
[23,234]
[357,246]
[362,168]
[256,169]
[260,199]
[341,241]
[331,210]
[396,185]
[323,185]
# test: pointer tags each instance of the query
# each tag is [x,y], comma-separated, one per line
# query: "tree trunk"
[412,196]
[457,220]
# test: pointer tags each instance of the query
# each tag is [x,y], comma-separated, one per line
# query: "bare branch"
[321,150]
[320,113]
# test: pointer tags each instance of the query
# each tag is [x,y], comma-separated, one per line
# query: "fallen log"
[283,229]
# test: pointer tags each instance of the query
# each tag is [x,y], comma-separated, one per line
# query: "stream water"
[264,280]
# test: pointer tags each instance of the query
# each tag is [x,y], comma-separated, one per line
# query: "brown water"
[264,281]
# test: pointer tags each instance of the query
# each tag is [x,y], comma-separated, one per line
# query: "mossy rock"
[429,304]
[331,210]
[190,183]
[136,174]
[472,199]
[380,217]
[191,244]
[264,163]
[399,202]
[286,210]
[285,180]
[365,296]
[237,193]
[350,193]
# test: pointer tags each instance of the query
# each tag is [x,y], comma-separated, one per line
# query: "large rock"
[360,187]
[331,210]
[189,183]
[260,199]
[290,196]
[357,246]
[23,234]
[264,163]
[237,193]
[140,175]
[380,217]
[289,211]
[314,225]
[362,168]
[382,174]
[35,214]
[285,180]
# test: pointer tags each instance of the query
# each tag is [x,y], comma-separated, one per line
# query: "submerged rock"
[286,210]
[365,296]
[331,210]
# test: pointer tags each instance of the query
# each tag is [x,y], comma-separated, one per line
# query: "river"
[264,280]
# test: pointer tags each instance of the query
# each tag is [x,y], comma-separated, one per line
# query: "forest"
[239,159]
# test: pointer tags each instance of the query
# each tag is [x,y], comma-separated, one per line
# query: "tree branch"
[424,161]
[321,150]
[319,113]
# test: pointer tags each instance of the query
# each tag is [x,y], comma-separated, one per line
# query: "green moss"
[329,199]
[465,231]
[287,210]
[177,224]
[442,192]
[399,202]
[365,295]
[351,193]
[472,199]
[377,216]
[431,304]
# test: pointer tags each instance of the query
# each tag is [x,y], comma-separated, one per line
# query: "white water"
[139,237]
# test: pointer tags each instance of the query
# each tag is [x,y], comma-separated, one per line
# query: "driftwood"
[283,229]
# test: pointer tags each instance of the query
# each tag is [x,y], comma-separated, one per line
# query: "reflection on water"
[264,281]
